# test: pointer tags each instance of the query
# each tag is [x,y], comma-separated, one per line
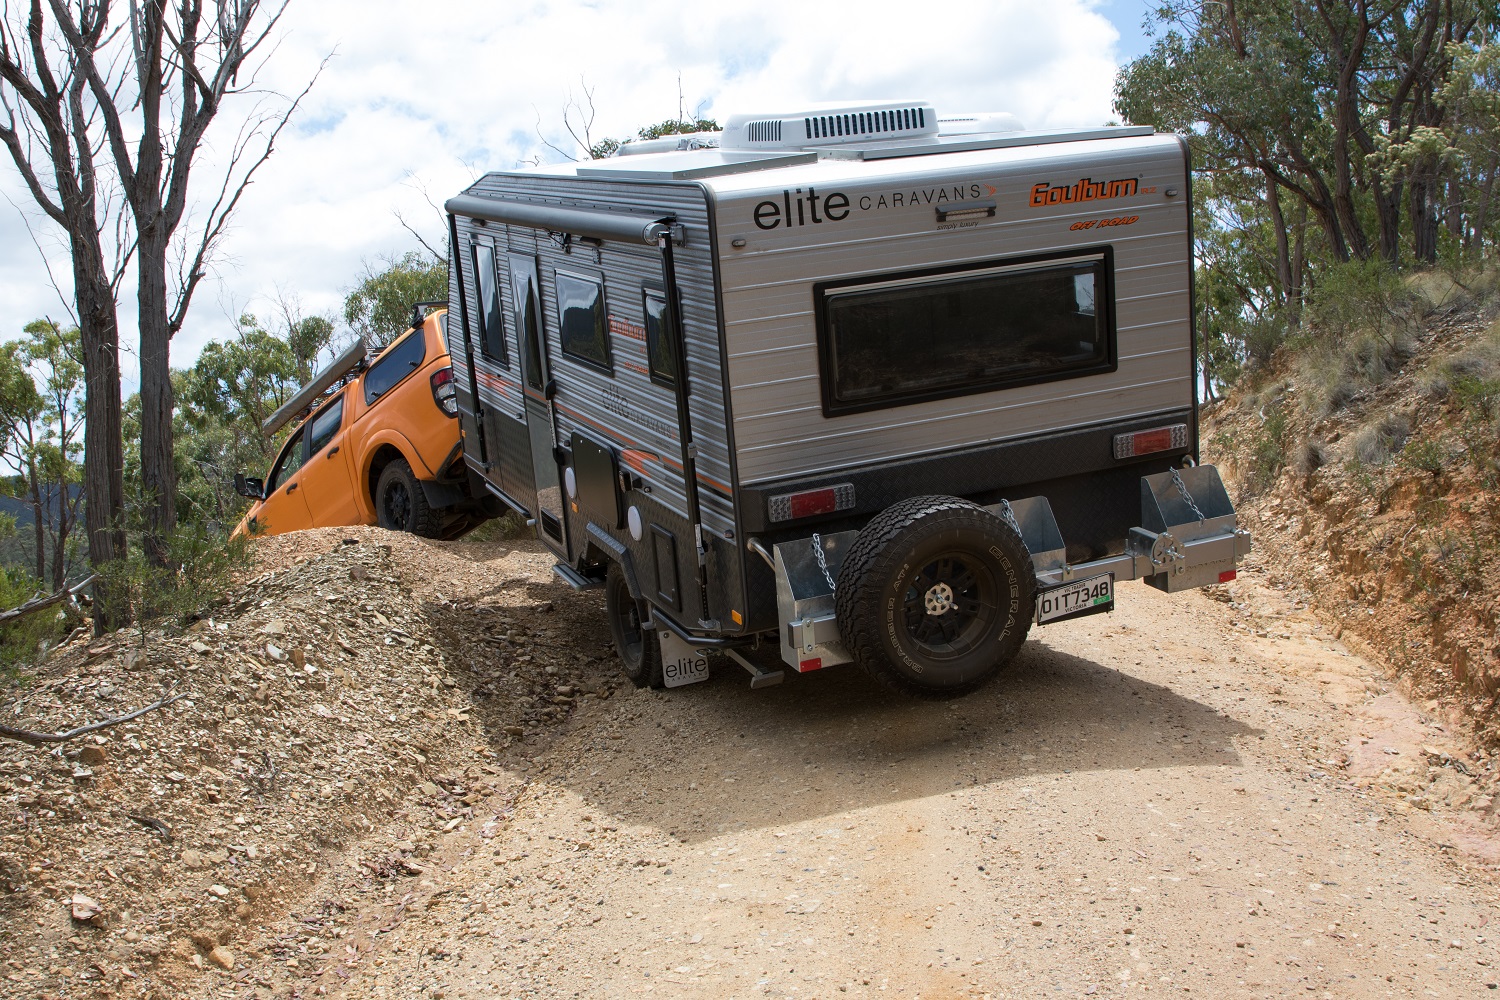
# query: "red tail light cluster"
[445,391]
[1153,440]
[790,506]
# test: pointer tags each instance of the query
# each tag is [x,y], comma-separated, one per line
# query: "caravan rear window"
[902,339]
[580,312]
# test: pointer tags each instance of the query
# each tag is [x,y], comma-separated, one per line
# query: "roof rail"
[418,316]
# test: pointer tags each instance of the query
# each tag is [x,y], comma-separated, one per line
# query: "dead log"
[42,739]
[69,594]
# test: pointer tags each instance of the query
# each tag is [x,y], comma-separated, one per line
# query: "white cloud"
[417,100]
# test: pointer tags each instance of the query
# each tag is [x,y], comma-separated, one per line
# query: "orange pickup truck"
[380,444]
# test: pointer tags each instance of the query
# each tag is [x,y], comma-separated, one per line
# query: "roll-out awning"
[619,226]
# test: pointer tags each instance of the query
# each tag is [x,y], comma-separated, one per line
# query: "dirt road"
[1179,797]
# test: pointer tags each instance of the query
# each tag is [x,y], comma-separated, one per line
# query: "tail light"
[790,506]
[445,391]
[1169,438]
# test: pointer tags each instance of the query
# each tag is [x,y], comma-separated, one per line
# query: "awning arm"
[616,226]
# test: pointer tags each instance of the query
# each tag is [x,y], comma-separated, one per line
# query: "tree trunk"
[36,513]
[1482,213]
[103,436]
[1278,226]
[60,544]
[1388,219]
[1424,214]
[1299,269]
[1346,113]
[1454,208]
[158,473]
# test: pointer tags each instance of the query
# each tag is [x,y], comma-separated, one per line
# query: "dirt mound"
[1386,514]
[338,689]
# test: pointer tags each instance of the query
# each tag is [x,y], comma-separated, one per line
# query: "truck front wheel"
[935,596]
[400,504]
[639,648]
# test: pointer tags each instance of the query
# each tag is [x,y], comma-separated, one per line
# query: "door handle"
[551,389]
[292,488]
[333,451]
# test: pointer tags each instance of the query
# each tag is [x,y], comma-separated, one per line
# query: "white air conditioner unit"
[830,125]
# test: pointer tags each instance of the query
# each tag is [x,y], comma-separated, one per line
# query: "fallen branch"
[42,739]
[36,604]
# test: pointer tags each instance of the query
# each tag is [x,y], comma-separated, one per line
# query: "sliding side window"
[658,339]
[903,339]
[491,323]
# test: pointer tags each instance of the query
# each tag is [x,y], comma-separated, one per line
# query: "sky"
[416,101]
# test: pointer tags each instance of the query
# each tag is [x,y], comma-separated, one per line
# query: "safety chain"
[817,546]
[1182,488]
[1009,516]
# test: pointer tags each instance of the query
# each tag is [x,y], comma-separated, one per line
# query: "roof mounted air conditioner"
[830,125]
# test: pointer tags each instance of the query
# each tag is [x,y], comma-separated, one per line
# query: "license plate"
[1073,600]
[681,663]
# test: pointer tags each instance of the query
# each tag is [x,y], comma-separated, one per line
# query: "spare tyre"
[935,596]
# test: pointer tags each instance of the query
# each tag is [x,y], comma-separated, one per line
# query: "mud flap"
[681,663]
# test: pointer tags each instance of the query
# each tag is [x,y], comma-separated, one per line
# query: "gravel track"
[1202,794]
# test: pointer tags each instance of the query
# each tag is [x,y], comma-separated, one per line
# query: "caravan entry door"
[541,415]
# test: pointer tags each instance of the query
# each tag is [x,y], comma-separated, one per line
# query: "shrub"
[1309,457]
[1378,440]
[24,640]
[1425,456]
[201,565]
[1268,452]
[1366,297]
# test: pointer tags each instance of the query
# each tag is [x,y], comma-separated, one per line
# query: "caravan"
[856,383]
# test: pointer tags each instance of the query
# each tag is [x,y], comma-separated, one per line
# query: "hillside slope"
[1367,468]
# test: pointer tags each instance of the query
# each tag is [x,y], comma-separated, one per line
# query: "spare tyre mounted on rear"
[935,596]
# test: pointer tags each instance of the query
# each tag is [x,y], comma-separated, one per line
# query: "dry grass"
[1377,441]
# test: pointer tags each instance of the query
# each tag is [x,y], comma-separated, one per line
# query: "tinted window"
[399,361]
[531,331]
[580,310]
[658,342]
[902,340]
[292,457]
[325,425]
[491,325]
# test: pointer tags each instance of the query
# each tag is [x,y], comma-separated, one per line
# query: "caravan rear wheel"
[935,596]
[639,648]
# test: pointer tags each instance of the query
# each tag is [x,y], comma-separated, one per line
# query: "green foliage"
[223,400]
[24,640]
[1310,151]
[1268,452]
[379,307]
[41,425]
[1479,396]
[1364,297]
[1426,455]
[201,565]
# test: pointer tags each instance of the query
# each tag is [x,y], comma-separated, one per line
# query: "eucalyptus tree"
[105,107]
